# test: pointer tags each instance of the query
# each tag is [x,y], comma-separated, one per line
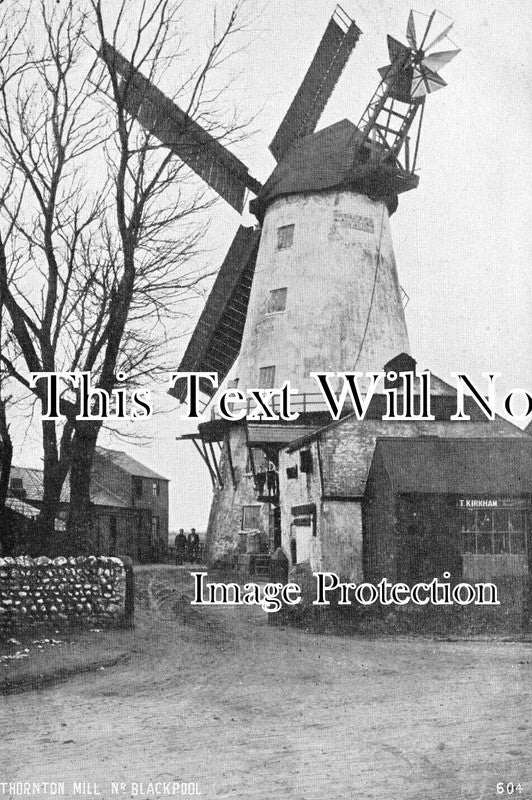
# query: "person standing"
[271,480]
[193,546]
[260,480]
[180,544]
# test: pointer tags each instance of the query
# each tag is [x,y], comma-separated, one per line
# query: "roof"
[128,464]
[331,158]
[443,404]
[101,495]
[32,483]
[30,512]
[450,466]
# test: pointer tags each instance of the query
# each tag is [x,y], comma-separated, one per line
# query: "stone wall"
[85,590]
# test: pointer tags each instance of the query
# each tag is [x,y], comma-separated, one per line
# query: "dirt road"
[247,710]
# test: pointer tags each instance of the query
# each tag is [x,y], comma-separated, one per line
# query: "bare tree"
[101,223]
[6,447]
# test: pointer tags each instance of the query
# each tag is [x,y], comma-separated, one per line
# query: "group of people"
[266,481]
[187,548]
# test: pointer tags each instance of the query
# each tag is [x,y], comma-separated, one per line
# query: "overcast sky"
[462,240]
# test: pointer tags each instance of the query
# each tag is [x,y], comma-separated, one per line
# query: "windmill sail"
[216,340]
[219,168]
[339,40]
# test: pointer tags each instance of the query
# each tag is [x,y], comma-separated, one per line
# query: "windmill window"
[266,377]
[285,237]
[277,301]
[250,518]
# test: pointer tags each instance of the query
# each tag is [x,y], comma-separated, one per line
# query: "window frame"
[262,371]
[288,242]
[275,293]
[475,532]
[256,511]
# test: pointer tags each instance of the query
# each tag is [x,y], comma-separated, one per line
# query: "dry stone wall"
[41,592]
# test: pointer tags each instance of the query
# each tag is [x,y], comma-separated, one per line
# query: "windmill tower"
[314,286]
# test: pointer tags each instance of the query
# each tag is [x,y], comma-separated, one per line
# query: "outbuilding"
[434,505]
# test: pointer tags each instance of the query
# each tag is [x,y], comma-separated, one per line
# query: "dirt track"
[248,710]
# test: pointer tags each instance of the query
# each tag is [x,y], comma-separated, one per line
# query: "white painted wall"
[332,282]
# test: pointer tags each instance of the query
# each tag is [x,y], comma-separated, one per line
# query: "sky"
[462,239]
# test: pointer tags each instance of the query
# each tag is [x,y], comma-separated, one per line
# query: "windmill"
[314,285]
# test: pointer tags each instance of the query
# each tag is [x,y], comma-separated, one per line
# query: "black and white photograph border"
[265,399]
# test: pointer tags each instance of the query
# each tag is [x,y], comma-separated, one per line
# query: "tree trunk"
[80,515]
[53,480]
[6,457]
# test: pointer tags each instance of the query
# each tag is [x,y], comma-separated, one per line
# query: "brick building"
[130,504]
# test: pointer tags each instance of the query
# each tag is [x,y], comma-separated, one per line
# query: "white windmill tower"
[314,286]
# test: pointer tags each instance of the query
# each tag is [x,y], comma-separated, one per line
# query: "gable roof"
[128,464]
[101,495]
[451,466]
[32,483]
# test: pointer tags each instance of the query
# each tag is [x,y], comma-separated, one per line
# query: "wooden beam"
[230,459]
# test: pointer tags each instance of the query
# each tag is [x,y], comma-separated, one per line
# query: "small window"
[302,522]
[285,236]
[233,384]
[250,518]
[291,472]
[155,527]
[17,484]
[293,551]
[495,531]
[305,461]
[137,487]
[156,489]
[266,377]
[277,301]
